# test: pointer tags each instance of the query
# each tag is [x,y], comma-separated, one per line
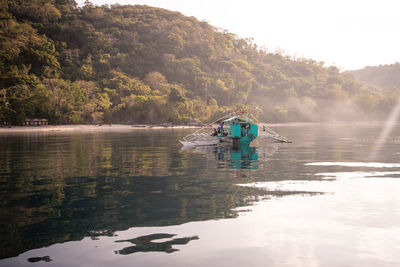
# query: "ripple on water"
[356,164]
[358,174]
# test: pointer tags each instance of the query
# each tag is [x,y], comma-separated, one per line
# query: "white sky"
[349,34]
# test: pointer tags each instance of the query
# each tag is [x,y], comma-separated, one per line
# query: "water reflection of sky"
[316,202]
[357,225]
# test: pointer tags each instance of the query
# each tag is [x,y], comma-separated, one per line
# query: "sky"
[349,34]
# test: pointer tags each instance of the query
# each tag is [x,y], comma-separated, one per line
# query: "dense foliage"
[384,76]
[139,64]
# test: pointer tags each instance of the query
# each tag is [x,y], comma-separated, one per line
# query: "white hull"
[200,143]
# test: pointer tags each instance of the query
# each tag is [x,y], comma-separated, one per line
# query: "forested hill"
[139,64]
[385,76]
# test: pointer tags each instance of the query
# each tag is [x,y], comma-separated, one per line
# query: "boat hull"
[200,143]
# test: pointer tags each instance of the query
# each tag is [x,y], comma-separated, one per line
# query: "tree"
[156,81]
[176,94]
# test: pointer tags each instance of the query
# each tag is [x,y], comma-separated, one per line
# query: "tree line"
[140,64]
[384,76]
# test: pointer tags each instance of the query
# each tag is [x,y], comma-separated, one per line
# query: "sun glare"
[387,129]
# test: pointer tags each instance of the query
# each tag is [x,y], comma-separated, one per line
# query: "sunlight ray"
[387,129]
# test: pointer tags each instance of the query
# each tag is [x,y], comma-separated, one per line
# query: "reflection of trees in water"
[57,188]
[145,244]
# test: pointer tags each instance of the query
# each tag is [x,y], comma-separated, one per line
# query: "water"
[135,198]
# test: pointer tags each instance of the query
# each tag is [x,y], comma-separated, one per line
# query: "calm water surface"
[136,198]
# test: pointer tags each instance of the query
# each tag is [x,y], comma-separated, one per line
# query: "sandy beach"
[87,128]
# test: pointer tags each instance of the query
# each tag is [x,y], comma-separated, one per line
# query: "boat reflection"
[236,157]
[240,157]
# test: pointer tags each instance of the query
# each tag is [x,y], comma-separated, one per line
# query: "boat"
[202,142]
[233,127]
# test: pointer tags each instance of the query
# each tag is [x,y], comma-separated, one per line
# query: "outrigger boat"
[233,127]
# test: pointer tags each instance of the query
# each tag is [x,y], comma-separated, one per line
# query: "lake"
[135,197]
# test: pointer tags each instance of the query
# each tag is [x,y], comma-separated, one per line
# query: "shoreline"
[88,128]
[125,127]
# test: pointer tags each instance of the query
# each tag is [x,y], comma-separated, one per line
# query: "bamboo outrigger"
[233,127]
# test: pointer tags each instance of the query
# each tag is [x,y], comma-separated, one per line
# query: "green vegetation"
[384,76]
[139,64]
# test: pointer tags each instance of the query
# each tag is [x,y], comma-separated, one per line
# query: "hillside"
[384,76]
[139,64]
